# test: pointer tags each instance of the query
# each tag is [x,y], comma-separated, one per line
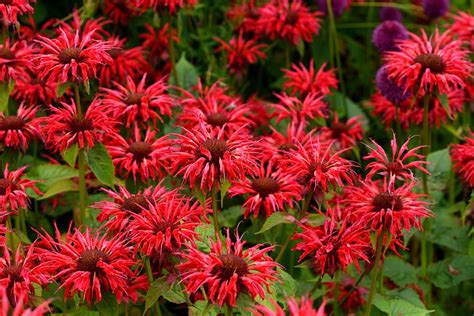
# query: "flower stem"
[149,273]
[10,234]
[375,272]
[172,51]
[214,208]
[82,188]
[425,137]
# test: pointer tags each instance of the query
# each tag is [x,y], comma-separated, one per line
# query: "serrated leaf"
[5,90]
[399,271]
[98,159]
[60,186]
[187,74]
[175,294]
[70,155]
[439,167]
[157,288]
[274,220]
[451,271]
[454,238]
[398,306]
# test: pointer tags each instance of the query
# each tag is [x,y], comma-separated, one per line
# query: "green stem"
[10,234]
[375,272]
[287,56]
[426,135]
[172,51]
[80,220]
[215,218]
[149,273]
[228,310]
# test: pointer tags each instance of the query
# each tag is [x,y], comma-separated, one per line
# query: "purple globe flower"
[338,6]
[388,88]
[435,8]
[386,35]
[390,14]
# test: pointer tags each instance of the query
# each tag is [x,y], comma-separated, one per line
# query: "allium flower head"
[302,307]
[388,88]
[299,110]
[228,271]
[337,6]
[344,134]
[303,81]
[462,156]
[435,8]
[18,131]
[14,59]
[426,63]
[390,14]
[137,102]
[11,9]
[387,35]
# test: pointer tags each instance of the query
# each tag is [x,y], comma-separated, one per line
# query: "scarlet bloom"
[292,21]
[156,43]
[34,90]
[171,5]
[137,102]
[345,134]
[400,165]
[245,14]
[299,110]
[352,295]
[462,156]
[228,271]
[462,28]
[119,11]
[270,190]
[302,308]
[10,10]
[72,59]
[144,158]
[381,205]
[425,63]
[87,264]
[117,213]
[303,81]
[333,246]
[64,127]
[205,156]
[13,191]
[19,308]
[241,52]
[17,131]
[14,59]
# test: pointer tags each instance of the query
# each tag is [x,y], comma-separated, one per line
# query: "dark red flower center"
[80,124]
[431,61]
[217,148]
[7,53]
[287,146]
[89,258]
[216,119]
[163,226]
[394,167]
[68,54]
[140,150]
[114,52]
[337,129]
[5,184]
[317,165]
[14,272]
[291,17]
[6,2]
[11,123]
[134,98]
[231,264]
[384,201]
[265,186]
[135,203]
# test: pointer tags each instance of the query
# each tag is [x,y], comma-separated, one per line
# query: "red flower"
[64,127]
[292,21]
[227,271]
[463,159]
[245,14]
[207,156]
[12,191]
[119,11]
[241,52]
[72,59]
[345,134]
[88,264]
[462,28]
[19,307]
[399,165]
[270,190]
[34,90]
[10,10]
[387,111]
[140,158]
[87,26]
[347,289]
[303,81]
[380,205]
[125,62]
[14,59]
[303,308]
[18,131]
[117,213]
[171,5]
[310,108]
[426,63]
[138,103]
[332,246]
[156,42]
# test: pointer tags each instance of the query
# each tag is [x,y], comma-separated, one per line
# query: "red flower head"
[303,81]
[165,226]
[397,165]
[352,295]
[144,158]
[126,62]
[18,273]
[64,127]
[137,103]
[93,27]
[387,111]
[292,21]
[171,5]
[117,213]
[15,59]
[270,190]
[318,166]
[463,159]
[332,247]
[156,42]
[381,205]
[227,271]
[245,14]
[18,131]
[205,156]
[13,191]
[119,11]
[241,52]
[303,308]
[302,111]
[88,264]
[11,9]
[344,134]
[34,90]
[19,307]
[463,27]
[74,59]
[425,63]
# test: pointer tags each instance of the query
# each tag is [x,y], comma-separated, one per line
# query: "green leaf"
[61,89]
[288,284]
[205,231]
[451,271]
[157,288]
[49,174]
[439,167]
[300,48]
[398,306]
[187,74]
[454,238]
[339,103]
[108,306]
[274,220]
[399,271]
[316,219]
[70,155]
[230,216]
[200,196]
[175,294]
[60,186]
[5,90]
[98,159]
[443,98]
[225,185]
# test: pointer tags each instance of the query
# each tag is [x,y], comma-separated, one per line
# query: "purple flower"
[337,6]
[388,88]
[386,35]
[435,8]
[390,14]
